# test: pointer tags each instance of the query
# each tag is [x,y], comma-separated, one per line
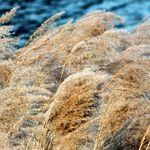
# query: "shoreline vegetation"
[79,86]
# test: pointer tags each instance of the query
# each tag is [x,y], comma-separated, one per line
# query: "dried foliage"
[48,24]
[8,16]
[126,118]
[63,39]
[7,43]
[82,85]
[141,33]
[78,104]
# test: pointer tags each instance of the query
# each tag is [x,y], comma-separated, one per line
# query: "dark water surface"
[34,12]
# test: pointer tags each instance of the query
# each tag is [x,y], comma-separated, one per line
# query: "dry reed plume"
[82,85]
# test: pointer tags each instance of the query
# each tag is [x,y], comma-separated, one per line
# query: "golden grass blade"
[8,16]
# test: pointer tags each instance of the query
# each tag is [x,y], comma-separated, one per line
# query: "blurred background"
[34,12]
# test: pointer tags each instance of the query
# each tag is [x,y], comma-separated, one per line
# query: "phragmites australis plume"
[82,85]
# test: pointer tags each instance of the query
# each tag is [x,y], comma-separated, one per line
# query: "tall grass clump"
[82,85]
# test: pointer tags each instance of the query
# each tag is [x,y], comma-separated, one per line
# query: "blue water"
[33,12]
